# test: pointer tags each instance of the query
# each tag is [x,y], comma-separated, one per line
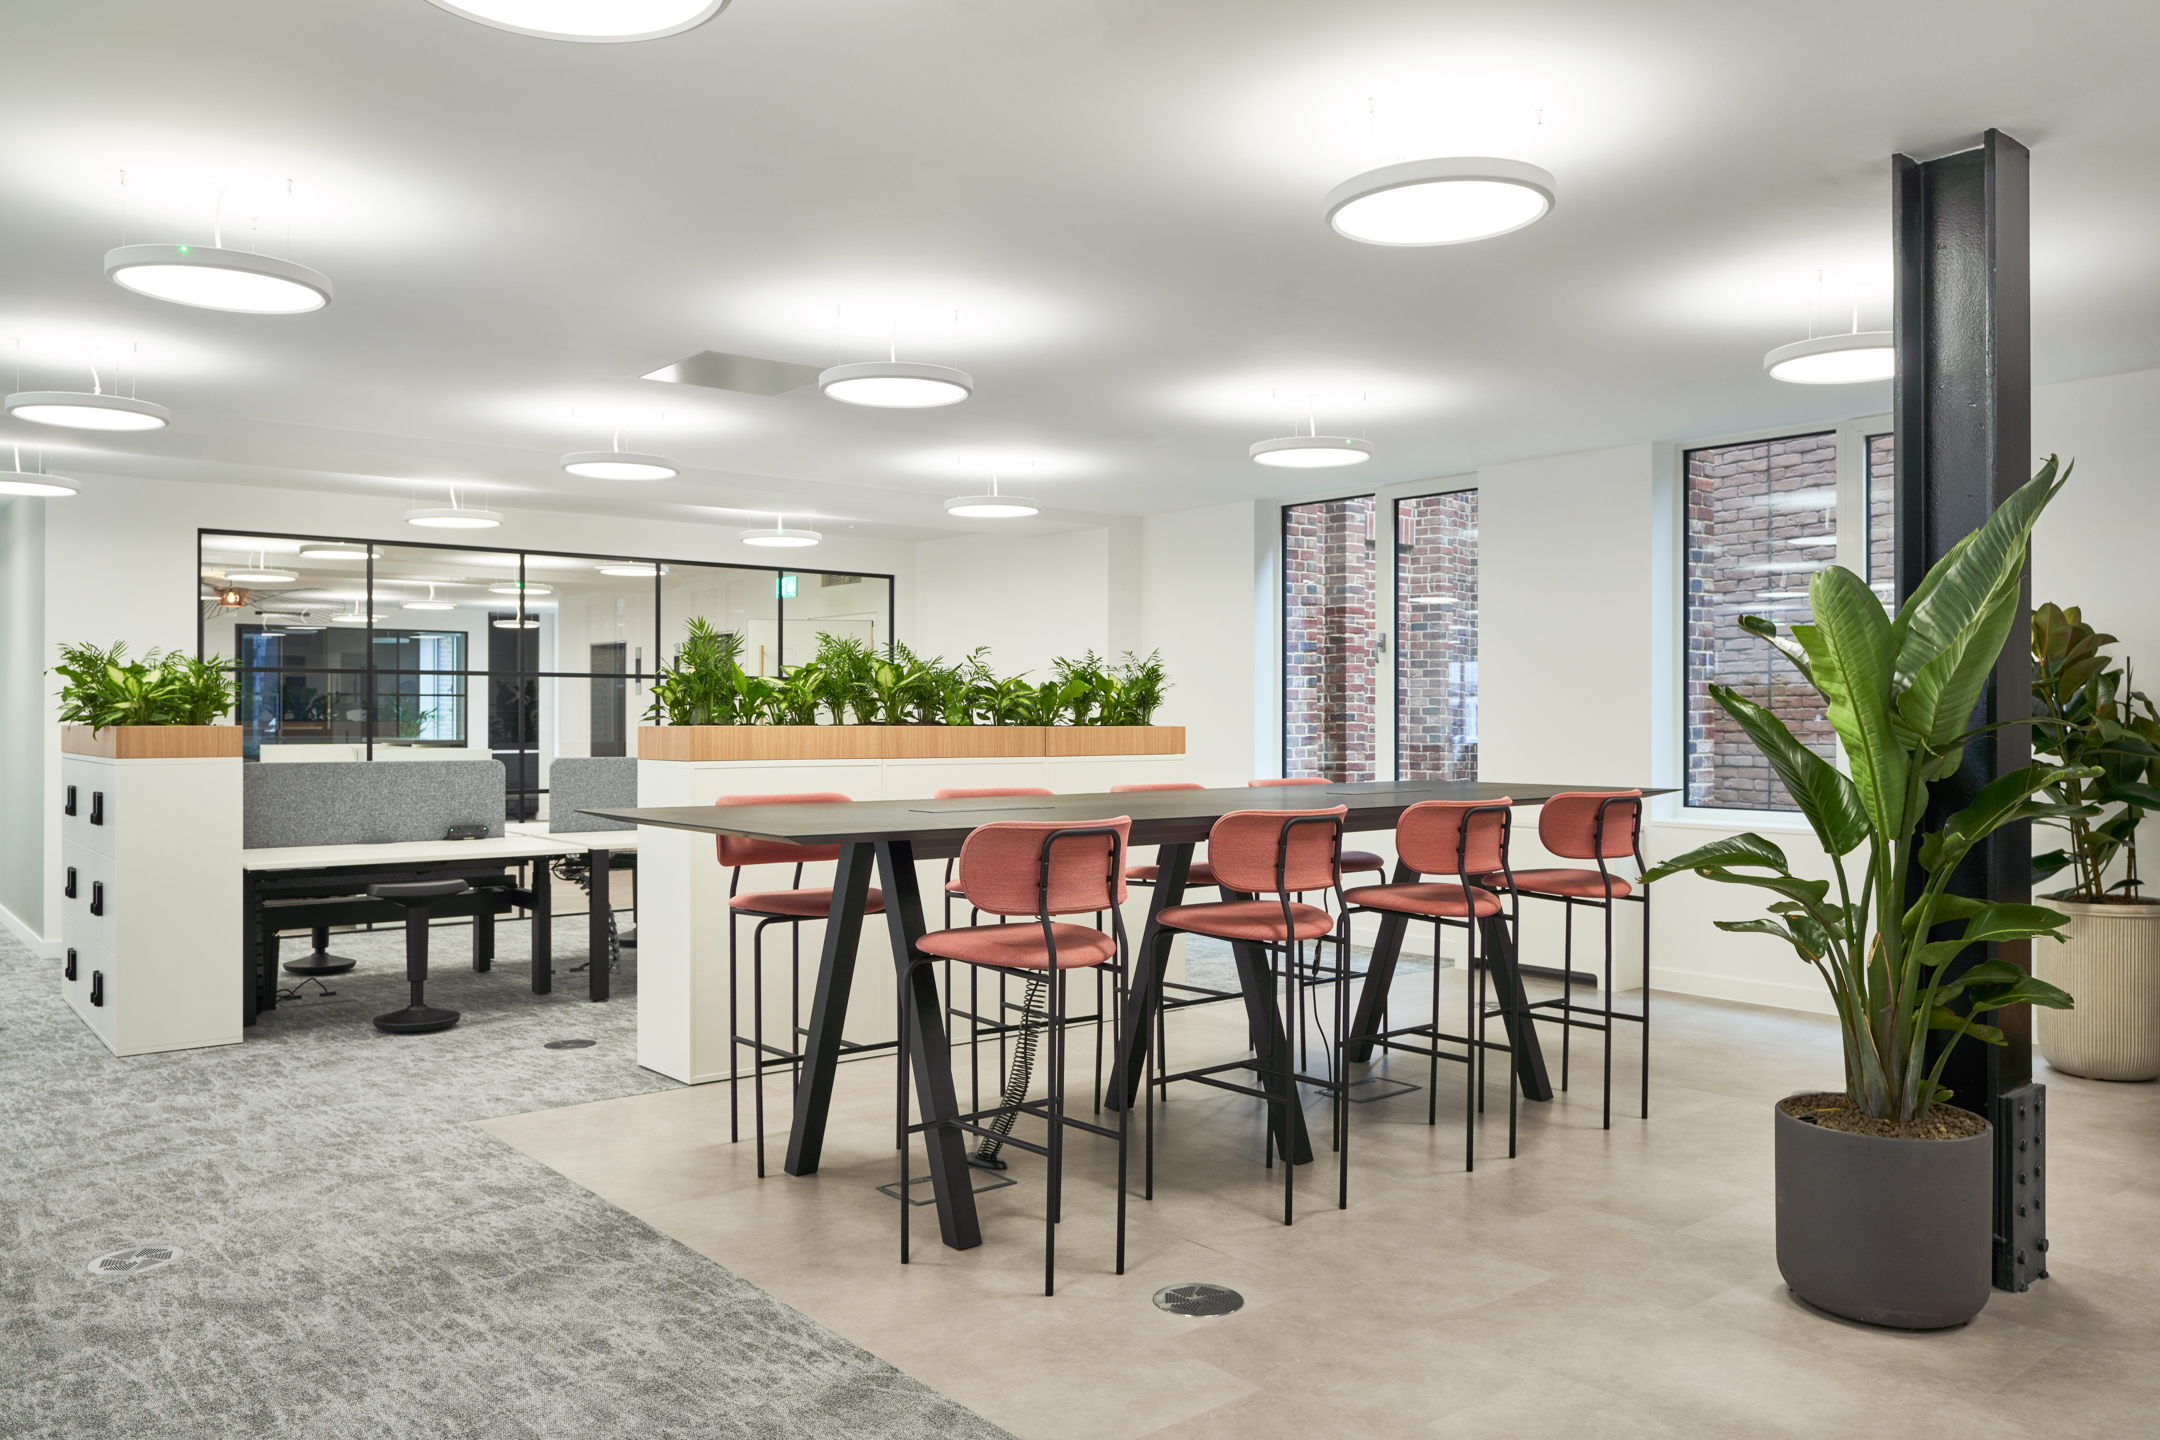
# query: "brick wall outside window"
[1761,518]
[1881,516]
[1330,689]
[1436,636]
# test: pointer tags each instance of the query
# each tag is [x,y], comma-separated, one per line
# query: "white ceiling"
[1120,199]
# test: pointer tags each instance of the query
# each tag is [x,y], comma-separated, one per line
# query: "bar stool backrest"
[1044,867]
[1582,826]
[738,850]
[1167,785]
[1277,852]
[991,793]
[1270,784]
[1454,837]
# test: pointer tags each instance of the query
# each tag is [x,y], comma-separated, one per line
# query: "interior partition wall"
[390,647]
[1380,635]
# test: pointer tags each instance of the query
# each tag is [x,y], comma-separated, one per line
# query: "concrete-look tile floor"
[1616,1283]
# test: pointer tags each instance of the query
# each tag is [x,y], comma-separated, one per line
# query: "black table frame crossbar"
[890,837]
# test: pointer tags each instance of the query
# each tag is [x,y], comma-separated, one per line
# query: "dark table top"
[936,828]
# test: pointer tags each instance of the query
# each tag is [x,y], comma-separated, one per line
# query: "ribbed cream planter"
[2111,967]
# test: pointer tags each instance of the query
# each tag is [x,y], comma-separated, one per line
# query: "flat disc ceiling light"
[214,278]
[260,576]
[1834,359]
[75,411]
[593,21]
[780,537]
[617,463]
[1439,202]
[19,481]
[1312,452]
[632,569]
[992,506]
[455,517]
[519,587]
[897,384]
[335,551]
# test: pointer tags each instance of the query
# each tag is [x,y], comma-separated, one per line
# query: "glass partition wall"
[524,655]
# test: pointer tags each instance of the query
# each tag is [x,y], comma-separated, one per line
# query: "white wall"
[1030,598]
[1198,607]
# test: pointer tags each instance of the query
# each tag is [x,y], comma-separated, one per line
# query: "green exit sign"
[783,586]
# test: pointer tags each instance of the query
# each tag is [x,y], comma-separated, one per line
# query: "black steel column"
[1964,443]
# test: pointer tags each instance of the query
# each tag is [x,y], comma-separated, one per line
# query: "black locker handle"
[67,807]
[69,890]
[97,807]
[71,962]
[97,897]
[97,987]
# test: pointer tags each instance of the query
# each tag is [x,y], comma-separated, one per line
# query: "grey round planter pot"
[1889,1232]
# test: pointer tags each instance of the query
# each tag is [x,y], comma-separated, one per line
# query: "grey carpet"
[359,1259]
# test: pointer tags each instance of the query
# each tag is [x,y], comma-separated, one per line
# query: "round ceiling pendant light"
[281,617]
[431,603]
[453,518]
[231,597]
[335,550]
[97,411]
[780,537]
[261,576]
[513,623]
[37,483]
[634,570]
[897,384]
[214,278]
[1440,202]
[992,506]
[1835,359]
[591,21]
[518,587]
[619,465]
[1312,452]
[354,617]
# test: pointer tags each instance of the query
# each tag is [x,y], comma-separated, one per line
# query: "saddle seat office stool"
[320,961]
[1028,873]
[415,896]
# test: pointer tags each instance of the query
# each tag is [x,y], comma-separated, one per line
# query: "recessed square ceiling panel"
[744,373]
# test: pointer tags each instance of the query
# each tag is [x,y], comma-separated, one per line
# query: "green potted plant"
[164,705]
[1884,1192]
[2106,735]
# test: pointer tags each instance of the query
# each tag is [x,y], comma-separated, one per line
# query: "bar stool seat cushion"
[1362,860]
[800,904]
[1249,920]
[1198,874]
[1019,946]
[1434,898]
[1585,883]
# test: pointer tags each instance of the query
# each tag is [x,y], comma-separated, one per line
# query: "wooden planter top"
[153,742]
[903,742]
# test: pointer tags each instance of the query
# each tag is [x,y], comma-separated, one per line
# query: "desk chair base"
[416,1020]
[320,961]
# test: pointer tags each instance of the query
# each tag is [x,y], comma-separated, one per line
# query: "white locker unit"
[150,900]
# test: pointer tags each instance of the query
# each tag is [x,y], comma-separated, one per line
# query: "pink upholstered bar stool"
[979,1025]
[1354,862]
[792,908]
[1030,873]
[1582,825]
[1272,857]
[1465,840]
[1196,875]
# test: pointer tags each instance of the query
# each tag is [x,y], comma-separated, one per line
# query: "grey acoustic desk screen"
[580,783]
[337,802]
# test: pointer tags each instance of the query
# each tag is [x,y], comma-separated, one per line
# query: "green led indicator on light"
[185,248]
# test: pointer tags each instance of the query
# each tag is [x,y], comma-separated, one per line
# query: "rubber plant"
[1900,693]
[2087,716]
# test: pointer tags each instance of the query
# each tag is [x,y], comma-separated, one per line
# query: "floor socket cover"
[1199,1300]
[569,1044]
[135,1259]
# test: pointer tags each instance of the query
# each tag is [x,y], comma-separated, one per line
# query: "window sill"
[1734,821]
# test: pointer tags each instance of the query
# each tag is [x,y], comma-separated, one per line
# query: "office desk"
[300,871]
[598,846]
[892,835]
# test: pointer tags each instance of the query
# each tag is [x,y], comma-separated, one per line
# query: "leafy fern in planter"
[102,687]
